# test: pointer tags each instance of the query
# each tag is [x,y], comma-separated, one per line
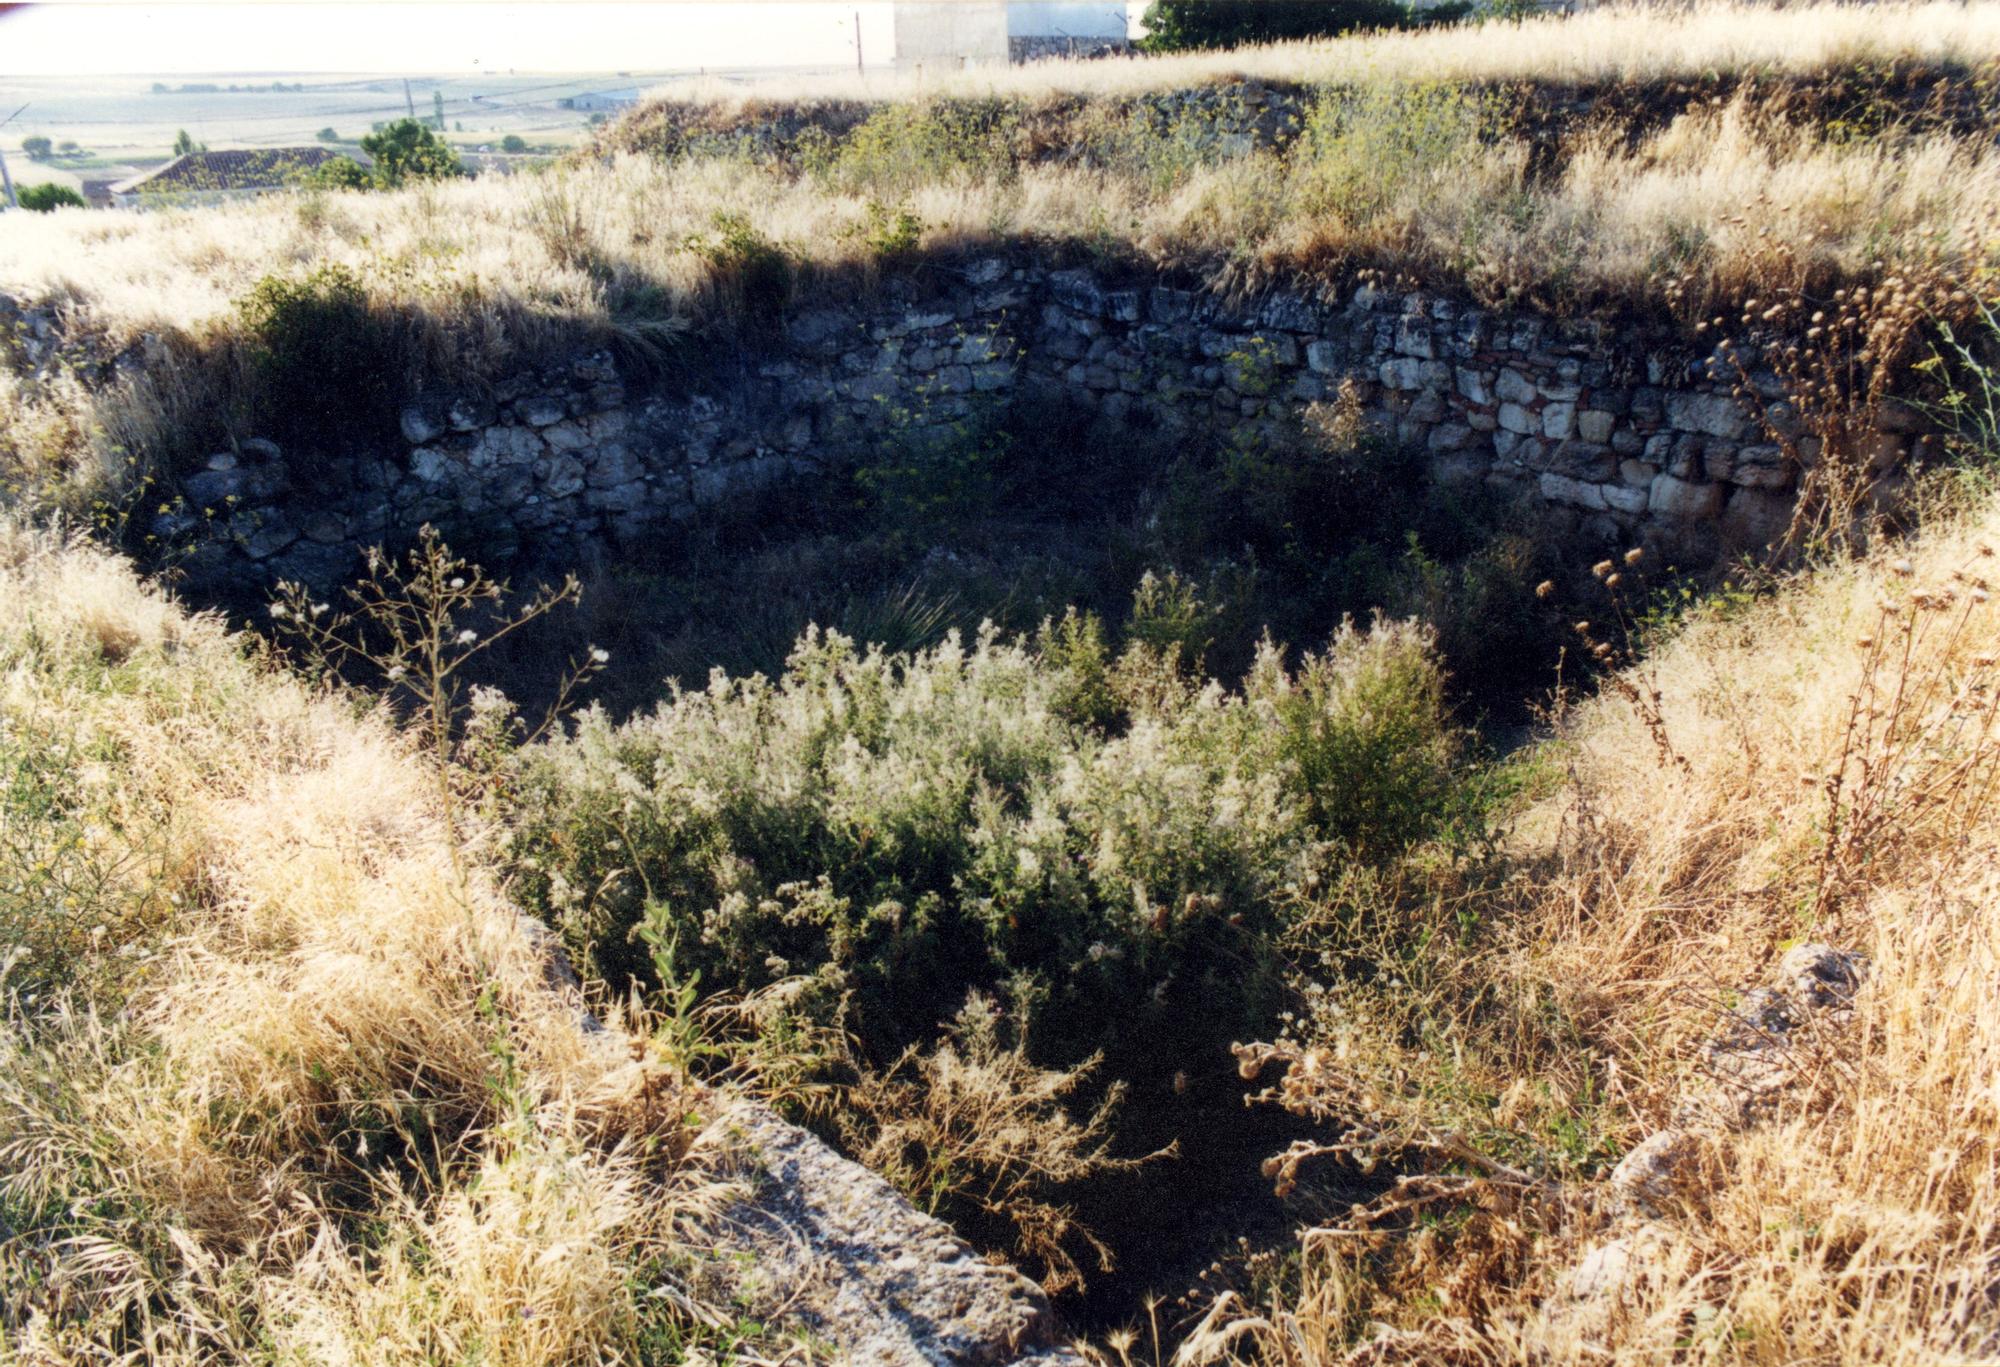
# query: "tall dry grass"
[1401,171]
[1623,42]
[319,1103]
[1817,766]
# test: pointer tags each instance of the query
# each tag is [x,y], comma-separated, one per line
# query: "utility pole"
[7,181]
[860,68]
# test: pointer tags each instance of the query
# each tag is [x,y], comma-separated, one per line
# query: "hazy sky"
[438,36]
[79,37]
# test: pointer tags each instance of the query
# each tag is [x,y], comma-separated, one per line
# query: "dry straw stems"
[319,1102]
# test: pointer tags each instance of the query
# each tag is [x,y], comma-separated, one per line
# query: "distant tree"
[458,125]
[513,142]
[437,109]
[1176,25]
[159,87]
[341,173]
[68,145]
[185,145]
[46,199]
[406,150]
[37,148]
[327,134]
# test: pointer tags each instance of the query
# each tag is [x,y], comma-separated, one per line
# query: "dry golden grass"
[1858,1221]
[1608,43]
[322,1106]
[1719,205]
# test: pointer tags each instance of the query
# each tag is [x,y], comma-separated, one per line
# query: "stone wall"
[1625,433]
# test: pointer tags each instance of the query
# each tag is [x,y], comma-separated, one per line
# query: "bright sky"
[90,37]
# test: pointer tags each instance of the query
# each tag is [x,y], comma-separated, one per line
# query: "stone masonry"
[1626,434]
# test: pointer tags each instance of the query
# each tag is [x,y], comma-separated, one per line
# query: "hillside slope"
[1742,969]
[280,1077]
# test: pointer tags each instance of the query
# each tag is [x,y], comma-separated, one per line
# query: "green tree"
[185,145]
[327,134]
[437,109]
[341,173]
[406,150]
[1176,25]
[67,146]
[37,148]
[513,142]
[46,199]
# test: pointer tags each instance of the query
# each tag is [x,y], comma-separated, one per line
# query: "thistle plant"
[415,624]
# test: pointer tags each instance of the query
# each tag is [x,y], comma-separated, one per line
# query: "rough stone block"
[1323,357]
[1573,492]
[1711,414]
[1473,386]
[1078,291]
[1514,387]
[430,464]
[1451,436]
[1681,499]
[1755,518]
[1558,420]
[1413,338]
[1594,424]
[420,426]
[1515,418]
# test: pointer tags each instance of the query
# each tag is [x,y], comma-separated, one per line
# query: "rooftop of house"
[233,168]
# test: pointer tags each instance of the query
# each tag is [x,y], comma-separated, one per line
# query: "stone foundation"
[1626,434]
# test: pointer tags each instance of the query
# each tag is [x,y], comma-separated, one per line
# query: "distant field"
[122,124]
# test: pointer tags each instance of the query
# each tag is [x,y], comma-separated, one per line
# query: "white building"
[950,35]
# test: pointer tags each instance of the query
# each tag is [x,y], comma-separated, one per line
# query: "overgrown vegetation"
[280,1079]
[1178,25]
[1796,168]
[1016,885]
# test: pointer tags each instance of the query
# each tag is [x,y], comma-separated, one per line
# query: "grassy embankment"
[1847,147]
[1491,978]
[280,1078]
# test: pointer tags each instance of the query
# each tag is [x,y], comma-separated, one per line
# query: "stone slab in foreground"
[861,1268]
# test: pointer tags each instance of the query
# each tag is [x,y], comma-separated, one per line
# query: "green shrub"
[47,198]
[406,150]
[928,477]
[1371,747]
[743,261]
[1177,25]
[1170,622]
[341,173]
[904,829]
[889,232]
[513,142]
[37,148]
[321,361]
[1366,151]
[907,146]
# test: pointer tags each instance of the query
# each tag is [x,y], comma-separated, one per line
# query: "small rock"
[1649,1177]
[1821,975]
[541,410]
[420,427]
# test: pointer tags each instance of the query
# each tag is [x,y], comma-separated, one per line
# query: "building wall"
[938,35]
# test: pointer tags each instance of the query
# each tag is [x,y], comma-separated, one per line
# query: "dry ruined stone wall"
[1622,433]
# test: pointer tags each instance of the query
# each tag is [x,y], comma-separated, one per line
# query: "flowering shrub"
[906,828]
